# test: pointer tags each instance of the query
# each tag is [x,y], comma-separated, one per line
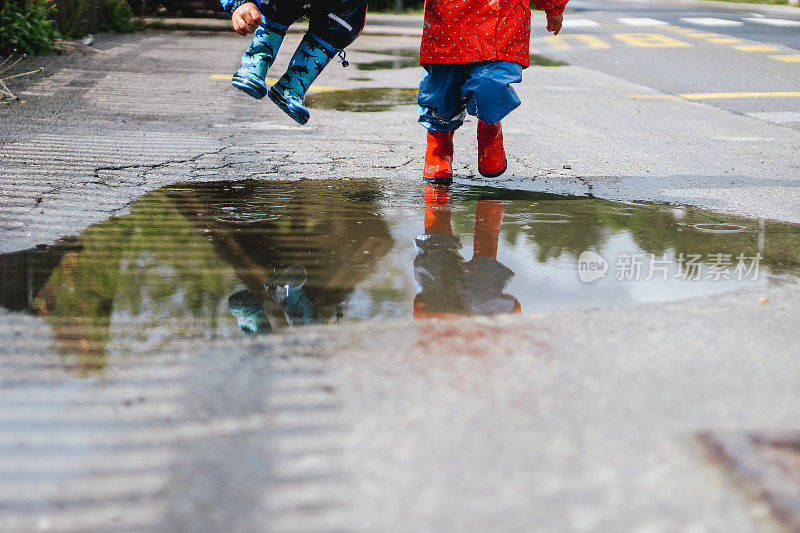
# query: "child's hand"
[554,23]
[247,17]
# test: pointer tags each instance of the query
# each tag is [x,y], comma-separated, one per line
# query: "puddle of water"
[544,61]
[403,58]
[409,57]
[222,259]
[401,52]
[388,64]
[370,100]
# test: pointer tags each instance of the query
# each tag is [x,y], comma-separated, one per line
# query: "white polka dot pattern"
[468,31]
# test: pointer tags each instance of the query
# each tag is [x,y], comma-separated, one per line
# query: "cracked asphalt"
[579,420]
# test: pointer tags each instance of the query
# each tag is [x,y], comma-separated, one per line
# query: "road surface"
[576,420]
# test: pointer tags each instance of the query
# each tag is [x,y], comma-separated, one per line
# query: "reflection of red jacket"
[467,31]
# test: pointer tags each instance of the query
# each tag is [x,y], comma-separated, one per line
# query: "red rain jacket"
[468,31]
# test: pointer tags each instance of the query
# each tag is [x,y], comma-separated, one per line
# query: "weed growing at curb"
[28,31]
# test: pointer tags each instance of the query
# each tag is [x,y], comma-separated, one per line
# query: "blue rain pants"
[448,91]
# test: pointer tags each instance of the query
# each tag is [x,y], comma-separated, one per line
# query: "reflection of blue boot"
[258,58]
[285,288]
[311,56]
[248,309]
[298,309]
[284,280]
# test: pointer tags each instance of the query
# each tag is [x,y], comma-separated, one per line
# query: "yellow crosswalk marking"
[678,28]
[713,96]
[756,48]
[791,58]
[724,40]
[560,42]
[269,81]
[651,40]
[716,96]
[654,97]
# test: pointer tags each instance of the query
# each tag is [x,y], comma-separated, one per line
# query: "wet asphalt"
[571,420]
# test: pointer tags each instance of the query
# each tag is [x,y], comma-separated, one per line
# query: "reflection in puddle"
[216,260]
[448,284]
[369,100]
[402,58]
[719,228]
[389,64]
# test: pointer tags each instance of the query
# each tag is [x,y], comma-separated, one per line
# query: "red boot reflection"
[449,286]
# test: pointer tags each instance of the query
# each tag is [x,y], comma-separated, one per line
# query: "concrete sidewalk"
[567,421]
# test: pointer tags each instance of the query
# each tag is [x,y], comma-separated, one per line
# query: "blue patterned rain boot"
[258,58]
[311,56]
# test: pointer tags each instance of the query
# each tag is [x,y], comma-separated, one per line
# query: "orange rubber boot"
[491,154]
[437,209]
[488,216]
[439,157]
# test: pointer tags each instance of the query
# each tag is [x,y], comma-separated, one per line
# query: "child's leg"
[441,112]
[441,107]
[488,92]
[258,58]
[338,23]
[329,33]
[276,16]
[282,12]
[490,97]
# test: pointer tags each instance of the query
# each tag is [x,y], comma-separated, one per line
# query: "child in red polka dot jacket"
[472,51]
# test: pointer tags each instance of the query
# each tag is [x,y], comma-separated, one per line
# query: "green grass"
[27,30]
[119,18]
